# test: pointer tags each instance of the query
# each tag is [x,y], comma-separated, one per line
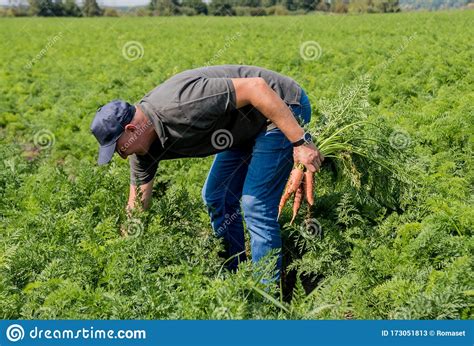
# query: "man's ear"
[130,127]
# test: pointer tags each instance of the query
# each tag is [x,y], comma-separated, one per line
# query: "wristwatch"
[306,139]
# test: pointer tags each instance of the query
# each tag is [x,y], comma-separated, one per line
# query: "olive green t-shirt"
[194,114]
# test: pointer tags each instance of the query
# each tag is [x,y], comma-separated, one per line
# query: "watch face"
[307,137]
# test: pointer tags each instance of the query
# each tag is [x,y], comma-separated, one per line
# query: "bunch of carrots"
[353,143]
[300,183]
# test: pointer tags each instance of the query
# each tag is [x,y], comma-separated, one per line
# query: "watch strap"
[299,142]
[305,139]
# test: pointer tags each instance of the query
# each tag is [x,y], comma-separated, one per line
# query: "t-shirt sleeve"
[142,169]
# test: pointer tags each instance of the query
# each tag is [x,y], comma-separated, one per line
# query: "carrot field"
[387,238]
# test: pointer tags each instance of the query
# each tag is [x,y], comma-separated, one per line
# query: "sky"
[108,2]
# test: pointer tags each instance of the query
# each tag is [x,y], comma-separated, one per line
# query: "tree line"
[54,8]
[90,8]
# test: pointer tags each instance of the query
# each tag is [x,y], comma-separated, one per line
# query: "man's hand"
[140,199]
[139,196]
[308,155]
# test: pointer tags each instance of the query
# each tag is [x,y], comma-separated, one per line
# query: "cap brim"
[106,152]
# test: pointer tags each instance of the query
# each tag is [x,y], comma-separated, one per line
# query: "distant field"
[61,255]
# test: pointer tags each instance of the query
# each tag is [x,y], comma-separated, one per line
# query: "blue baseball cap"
[108,125]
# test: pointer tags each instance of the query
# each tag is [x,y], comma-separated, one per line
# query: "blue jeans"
[252,181]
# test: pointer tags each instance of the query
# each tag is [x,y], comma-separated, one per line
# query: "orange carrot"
[297,202]
[283,199]
[308,187]
[296,176]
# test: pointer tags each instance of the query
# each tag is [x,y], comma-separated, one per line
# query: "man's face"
[130,142]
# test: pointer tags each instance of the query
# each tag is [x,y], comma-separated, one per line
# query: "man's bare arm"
[146,190]
[257,92]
